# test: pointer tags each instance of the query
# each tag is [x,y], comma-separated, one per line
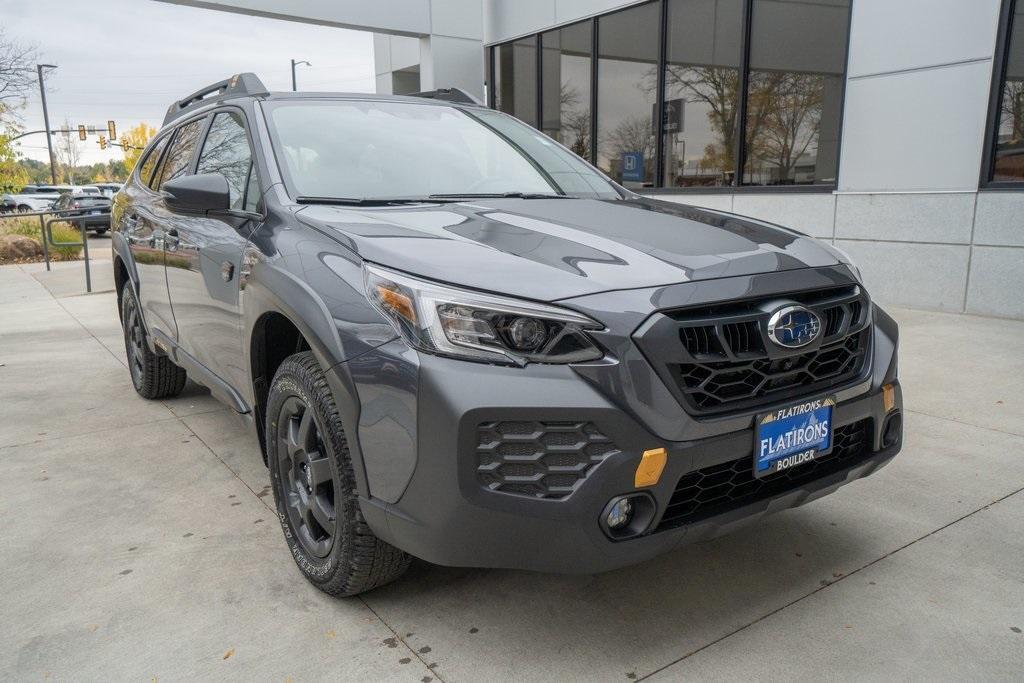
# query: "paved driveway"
[138,541]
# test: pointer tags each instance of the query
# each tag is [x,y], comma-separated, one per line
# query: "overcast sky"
[127,60]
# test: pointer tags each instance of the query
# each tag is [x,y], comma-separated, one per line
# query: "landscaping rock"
[16,247]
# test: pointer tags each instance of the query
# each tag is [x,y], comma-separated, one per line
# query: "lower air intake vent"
[538,459]
[713,490]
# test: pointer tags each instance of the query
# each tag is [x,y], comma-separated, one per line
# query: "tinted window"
[515,73]
[146,171]
[565,78]
[179,154]
[702,91]
[795,91]
[1009,153]
[627,68]
[226,151]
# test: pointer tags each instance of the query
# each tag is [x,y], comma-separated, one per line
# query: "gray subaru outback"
[458,341]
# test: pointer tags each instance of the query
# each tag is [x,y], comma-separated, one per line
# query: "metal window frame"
[1001,58]
[737,185]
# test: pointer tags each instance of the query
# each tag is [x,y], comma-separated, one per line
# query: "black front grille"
[711,385]
[713,490]
[538,459]
[718,359]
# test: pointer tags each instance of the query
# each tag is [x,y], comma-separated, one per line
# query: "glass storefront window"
[1008,162]
[702,92]
[515,75]
[763,112]
[565,85]
[795,91]
[627,69]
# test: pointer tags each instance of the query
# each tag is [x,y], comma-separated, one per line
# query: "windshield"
[372,150]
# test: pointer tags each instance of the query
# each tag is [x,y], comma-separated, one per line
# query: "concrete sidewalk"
[139,541]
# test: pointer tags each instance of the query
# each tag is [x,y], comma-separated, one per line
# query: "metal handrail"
[46,230]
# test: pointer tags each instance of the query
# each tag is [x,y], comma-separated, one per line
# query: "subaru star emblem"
[793,326]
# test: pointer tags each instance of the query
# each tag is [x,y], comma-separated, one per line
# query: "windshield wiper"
[368,201]
[501,195]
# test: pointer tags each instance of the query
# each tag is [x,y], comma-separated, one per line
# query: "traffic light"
[112,130]
[103,142]
[81,132]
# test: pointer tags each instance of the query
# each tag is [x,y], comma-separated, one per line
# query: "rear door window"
[226,151]
[146,170]
[179,154]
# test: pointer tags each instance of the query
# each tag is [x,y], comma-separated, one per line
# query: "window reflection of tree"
[717,90]
[783,124]
[574,116]
[227,152]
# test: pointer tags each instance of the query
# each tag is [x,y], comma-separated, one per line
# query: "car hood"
[549,249]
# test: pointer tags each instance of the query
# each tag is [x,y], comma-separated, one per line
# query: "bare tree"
[633,134]
[68,151]
[784,117]
[574,128]
[717,88]
[17,76]
[1013,110]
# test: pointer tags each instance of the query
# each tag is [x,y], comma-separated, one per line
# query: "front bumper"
[418,431]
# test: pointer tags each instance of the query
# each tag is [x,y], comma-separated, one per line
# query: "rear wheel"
[314,486]
[154,376]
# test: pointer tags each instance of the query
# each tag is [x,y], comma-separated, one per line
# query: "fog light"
[891,430]
[619,514]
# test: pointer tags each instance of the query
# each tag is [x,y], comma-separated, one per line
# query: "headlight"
[476,326]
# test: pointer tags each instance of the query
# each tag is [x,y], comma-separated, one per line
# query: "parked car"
[35,198]
[109,189]
[457,340]
[85,209]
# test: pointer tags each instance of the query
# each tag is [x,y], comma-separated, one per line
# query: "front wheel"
[314,486]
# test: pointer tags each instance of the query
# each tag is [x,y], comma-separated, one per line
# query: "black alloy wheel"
[134,341]
[307,478]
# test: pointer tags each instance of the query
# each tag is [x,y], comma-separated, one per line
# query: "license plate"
[792,436]
[95,213]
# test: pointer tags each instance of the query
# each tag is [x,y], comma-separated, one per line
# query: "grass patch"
[62,232]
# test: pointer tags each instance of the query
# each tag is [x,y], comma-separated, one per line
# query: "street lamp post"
[294,64]
[46,119]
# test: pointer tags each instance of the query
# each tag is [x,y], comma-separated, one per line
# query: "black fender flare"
[269,289]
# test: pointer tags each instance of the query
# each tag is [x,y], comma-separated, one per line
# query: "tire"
[314,486]
[153,376]
[101,232]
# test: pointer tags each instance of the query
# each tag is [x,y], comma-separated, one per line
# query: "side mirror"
[198,193]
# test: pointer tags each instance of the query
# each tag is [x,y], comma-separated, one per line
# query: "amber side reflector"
[889,397]
[652,464]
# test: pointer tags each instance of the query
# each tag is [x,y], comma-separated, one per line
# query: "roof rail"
[448,95]
[237,85]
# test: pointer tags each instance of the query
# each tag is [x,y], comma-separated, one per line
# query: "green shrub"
[62,232]
[29,227]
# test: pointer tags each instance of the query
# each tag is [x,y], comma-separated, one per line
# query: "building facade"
[894,129]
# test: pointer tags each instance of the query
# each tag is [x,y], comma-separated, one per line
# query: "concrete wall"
[445,35]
